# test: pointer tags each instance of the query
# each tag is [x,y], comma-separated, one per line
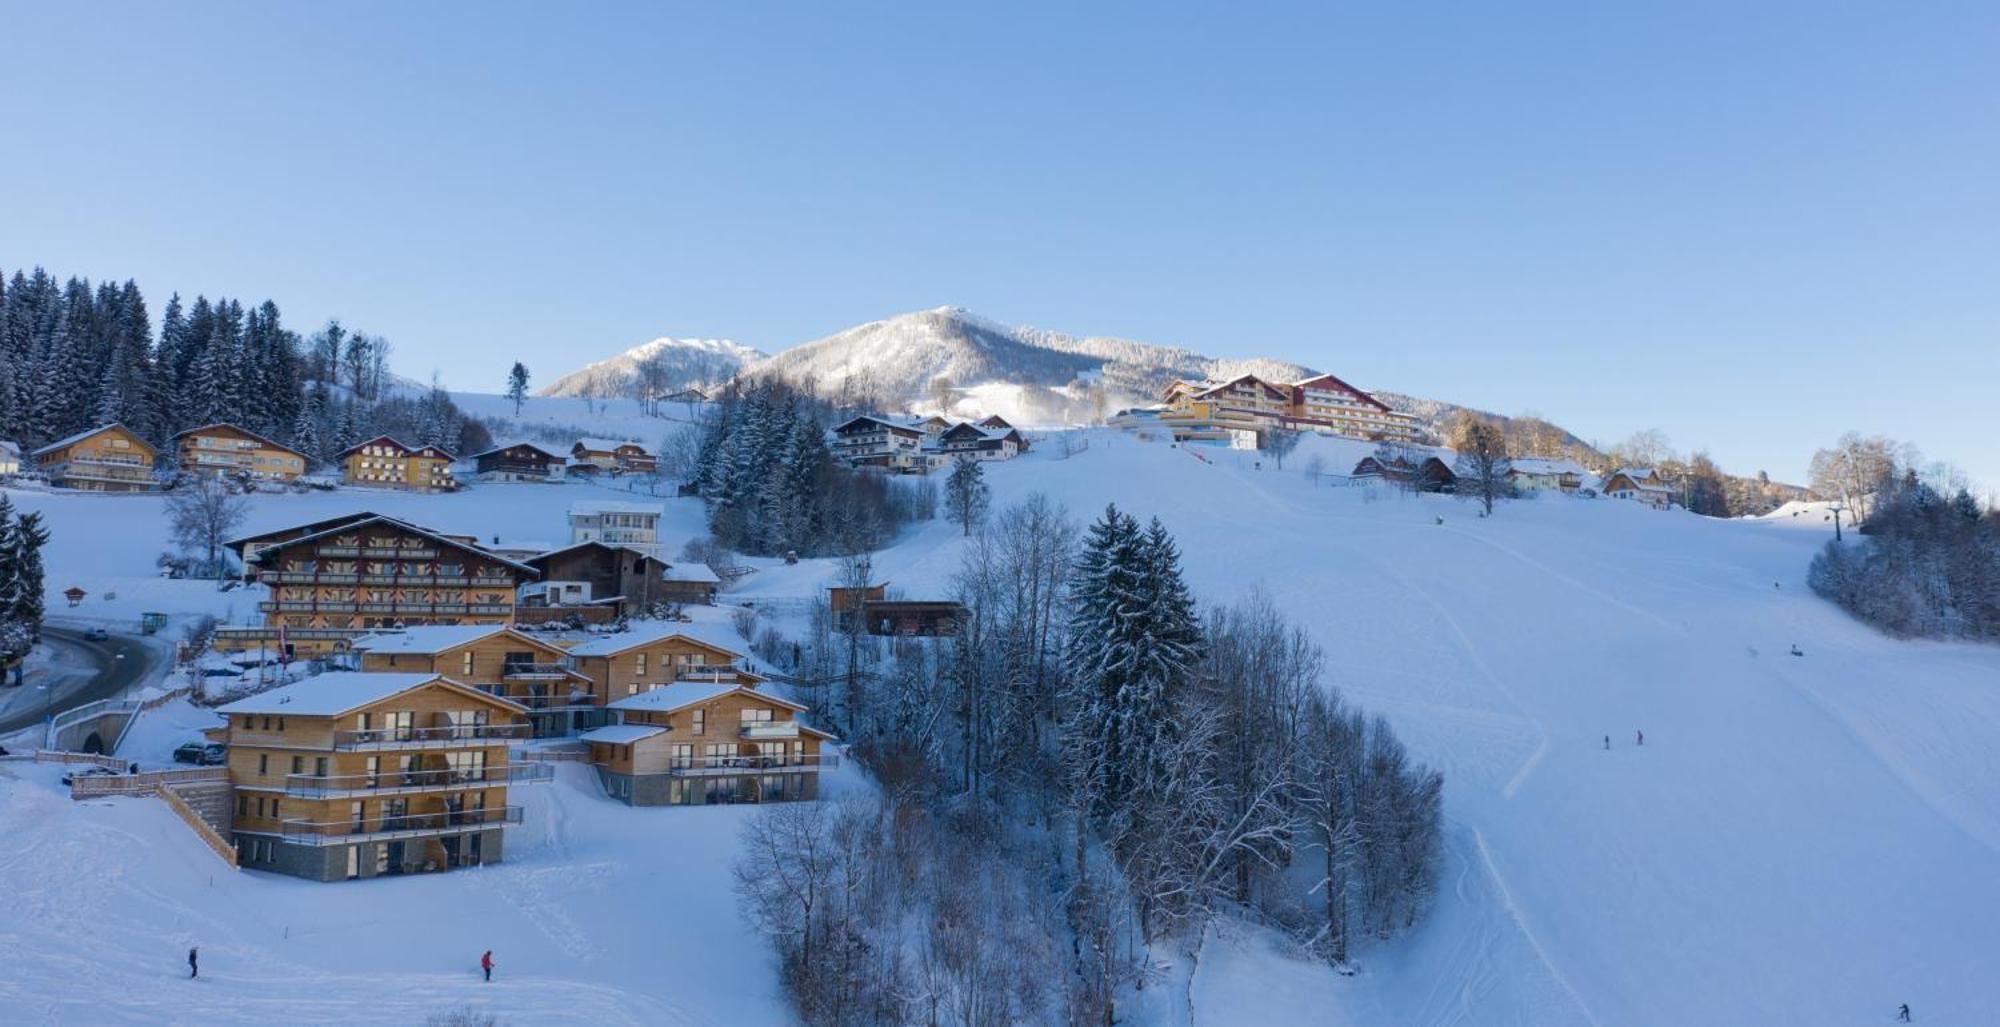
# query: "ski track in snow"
[1760,861]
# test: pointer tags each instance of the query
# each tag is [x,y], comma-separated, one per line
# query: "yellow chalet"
[493,658]
[110,458]
[386,463]
[694,743]
[230,449]
[349,775]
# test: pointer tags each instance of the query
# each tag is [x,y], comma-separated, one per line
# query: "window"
[640,660]
[274,809]
[281,723]
[700,720]
[465,665]
[319,766]
[298,764]
[260,806]
[374,771]
[263,763]
[242,805]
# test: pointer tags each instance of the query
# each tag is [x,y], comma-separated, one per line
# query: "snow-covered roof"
[532,547]
[682,694]
[594,507]
[13,448]
[1634,473]
[621,734]
[597,445]
[329,695]
[1537,465]
[341,525]
[427,639]
[696,572]
[611,645]
[418,450]
[511,443]
[88,432]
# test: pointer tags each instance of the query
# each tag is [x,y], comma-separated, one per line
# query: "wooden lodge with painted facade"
[110,458]
[370,571]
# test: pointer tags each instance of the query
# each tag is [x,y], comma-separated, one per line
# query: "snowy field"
[1802,839]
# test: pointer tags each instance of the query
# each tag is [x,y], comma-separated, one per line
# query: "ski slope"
[1806,840]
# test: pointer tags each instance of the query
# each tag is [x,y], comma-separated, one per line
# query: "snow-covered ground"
[1802,839]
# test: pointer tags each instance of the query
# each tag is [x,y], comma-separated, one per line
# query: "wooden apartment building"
[384,462]
[370,571]
[703,743]
[349,775]
[497,660]
[632,662]
[226,449]
[111,458]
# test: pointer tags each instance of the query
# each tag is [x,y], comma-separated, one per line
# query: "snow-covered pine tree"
[305,428]
[517,386]
[29,538]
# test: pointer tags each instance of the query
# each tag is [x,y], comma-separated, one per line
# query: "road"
[119,662]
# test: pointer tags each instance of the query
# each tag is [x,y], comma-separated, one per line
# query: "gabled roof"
[682,694]
[593,544]
[516,443]
[332,694]
[995,421]
[621,734]
[308,528]
[866,419]
[598,445]
[379,518]
[88,432]
[432,639]
[626,641]
[240,430]
[592,507]
[1538,465]
[1317,379]
[437,451]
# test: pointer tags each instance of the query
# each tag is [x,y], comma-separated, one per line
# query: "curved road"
[120,663]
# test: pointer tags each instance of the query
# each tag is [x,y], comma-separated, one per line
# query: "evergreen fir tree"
[965,492]
[517,386]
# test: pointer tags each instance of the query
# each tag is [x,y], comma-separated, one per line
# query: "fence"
[202,828]
[141,784]
[94,759]
[553,755]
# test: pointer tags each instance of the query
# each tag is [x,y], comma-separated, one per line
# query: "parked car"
[97,634]
[192,752]
[214,754]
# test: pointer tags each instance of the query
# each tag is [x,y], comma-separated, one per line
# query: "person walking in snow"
[1903,1013]
[1642,738]
[194,964]
[1607,743]
[486,963]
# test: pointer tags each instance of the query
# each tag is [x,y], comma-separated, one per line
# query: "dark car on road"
[96,634]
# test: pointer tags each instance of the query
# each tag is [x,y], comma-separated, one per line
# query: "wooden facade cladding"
[112,458]
[382,573]
[229,449]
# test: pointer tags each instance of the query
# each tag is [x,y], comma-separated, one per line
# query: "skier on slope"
[1903,1013]
[1642,738]
[194,966]
[486,963]
[1607,743]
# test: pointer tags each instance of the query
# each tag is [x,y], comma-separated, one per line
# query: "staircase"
[210,800]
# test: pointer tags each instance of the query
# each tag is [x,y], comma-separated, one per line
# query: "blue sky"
[1751,229]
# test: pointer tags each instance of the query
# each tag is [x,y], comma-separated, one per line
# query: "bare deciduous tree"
[201,515]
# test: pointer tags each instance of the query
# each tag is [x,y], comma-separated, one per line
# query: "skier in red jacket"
[486,963]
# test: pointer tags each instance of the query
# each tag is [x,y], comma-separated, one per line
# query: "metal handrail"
[429,735]
[319,785]
[334,832]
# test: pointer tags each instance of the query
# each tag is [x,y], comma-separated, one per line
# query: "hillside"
[677,363]
[1801,839]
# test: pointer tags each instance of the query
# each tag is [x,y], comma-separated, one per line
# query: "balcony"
[534,671]
[770,729]
[414,825]
[339,551]
[711,766]
[448,737]
[398,553]
[497,609]
[492,581]
[330,786]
